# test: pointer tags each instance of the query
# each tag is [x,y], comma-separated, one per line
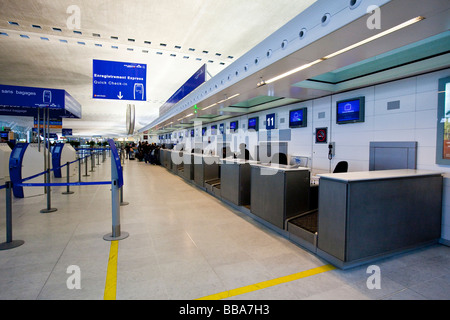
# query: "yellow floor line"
[269,283]
[111,274]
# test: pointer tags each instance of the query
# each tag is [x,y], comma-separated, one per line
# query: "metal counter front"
[279,192]
[206,167]
[366,215]
[235,180]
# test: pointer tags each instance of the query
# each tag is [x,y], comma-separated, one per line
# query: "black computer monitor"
[233,126]
[192,132]
[203,131]
[350,111]
[298,118]
[253,123]
[214,129]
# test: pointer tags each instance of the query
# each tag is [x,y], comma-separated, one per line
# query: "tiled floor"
[183,244]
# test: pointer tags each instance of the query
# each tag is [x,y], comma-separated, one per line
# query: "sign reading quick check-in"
[119,80]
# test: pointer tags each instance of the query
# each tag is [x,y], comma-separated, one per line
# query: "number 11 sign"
[270,121]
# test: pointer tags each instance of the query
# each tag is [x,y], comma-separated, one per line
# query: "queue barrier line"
[269,283]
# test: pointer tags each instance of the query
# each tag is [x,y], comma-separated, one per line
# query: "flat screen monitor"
[298,118]
[57,149]
[203,131]
[233,126]
[16,153]
[253,124]
[222,128]
[214,129]
[4,135]
[192,132]
[350,111]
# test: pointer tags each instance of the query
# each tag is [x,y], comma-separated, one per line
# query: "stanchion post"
[98,158]
[92,162]
[116,233]
[79,169]
[10,243]
[49,200]
[68,180]
[85,166]
[122,203]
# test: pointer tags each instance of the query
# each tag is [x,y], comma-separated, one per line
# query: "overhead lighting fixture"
[214,104]
[358,44]
[284,75]
[377,36]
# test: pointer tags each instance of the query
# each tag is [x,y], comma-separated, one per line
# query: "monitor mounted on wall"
[233,126]
[253,124]
[350,111]
[298,118]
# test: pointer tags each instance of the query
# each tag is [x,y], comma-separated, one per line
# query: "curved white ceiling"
[142,31]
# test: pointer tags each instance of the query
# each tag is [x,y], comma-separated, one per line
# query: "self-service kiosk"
[5,153]
[26,161]
[61,154]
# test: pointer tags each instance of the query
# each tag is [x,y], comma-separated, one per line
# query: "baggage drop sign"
[119,80]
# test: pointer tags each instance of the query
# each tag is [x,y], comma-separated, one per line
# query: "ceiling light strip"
[358,44]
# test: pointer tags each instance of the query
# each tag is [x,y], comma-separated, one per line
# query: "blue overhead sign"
[23,101]
[31,97]
[119,80]
[190,85]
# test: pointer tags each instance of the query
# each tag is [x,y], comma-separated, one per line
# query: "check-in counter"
[235,180]
[176,159]
[166,161]
[188,163]
[206,168]
[279,192]
[367,215]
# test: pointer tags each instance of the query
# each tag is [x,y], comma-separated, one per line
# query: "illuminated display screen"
[233,126]
[298,118]
[253,124]
[350,111]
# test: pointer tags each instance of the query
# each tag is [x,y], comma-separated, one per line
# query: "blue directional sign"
[23,101]
[119,80]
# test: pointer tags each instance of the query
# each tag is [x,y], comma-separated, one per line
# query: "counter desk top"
[377,175]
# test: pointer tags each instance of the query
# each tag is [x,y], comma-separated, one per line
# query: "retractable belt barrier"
[116,194]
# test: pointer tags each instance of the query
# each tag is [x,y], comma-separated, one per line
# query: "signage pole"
[39,128]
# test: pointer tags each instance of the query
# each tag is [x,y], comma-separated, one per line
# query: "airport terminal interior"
[225,150]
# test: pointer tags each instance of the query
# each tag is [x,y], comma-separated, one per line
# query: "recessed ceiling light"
[131,40]
[98,45]
[57,29]
[114,38]
[63,40]
[114,47]
[77,32]
[130,49]
[160,53]
[96,35]
[191,49]
[13,23]
[24,36]
[36,26]
[204,51]
[81,42]
[45,39]
[4,34]
[177,47]
[147,42]
[163,45]
[230,57]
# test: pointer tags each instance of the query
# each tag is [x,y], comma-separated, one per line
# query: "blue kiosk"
[15,168]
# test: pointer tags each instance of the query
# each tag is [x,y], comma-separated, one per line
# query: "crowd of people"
[143,151]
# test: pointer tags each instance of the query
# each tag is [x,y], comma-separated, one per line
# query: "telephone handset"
[331,150]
